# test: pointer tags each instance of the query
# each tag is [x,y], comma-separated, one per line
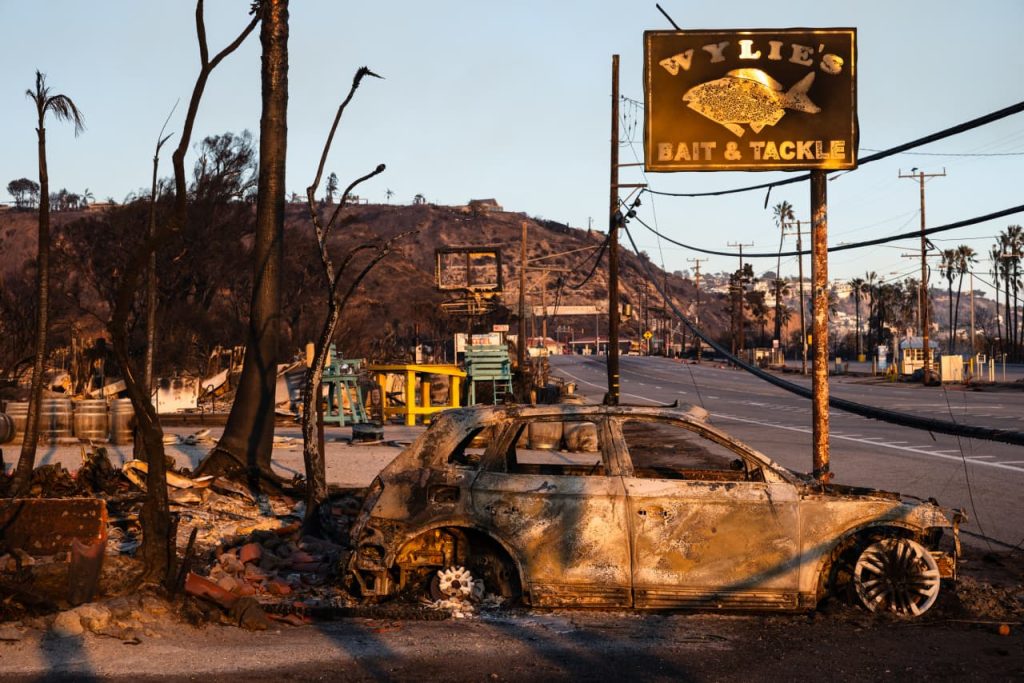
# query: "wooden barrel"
[545,435]
[18,412]
[122,417]
[6,428]
[55,419]
[90,419]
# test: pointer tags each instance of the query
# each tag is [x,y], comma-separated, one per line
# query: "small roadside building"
[912,355]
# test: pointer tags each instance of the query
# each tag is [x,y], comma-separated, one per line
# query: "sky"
[512,101]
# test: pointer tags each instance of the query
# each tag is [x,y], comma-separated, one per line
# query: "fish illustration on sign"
[749,96]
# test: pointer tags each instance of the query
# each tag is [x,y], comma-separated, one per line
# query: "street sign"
[750,100]
[648,334]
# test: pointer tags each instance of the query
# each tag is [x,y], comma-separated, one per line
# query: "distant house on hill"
[100,206]
[484,205]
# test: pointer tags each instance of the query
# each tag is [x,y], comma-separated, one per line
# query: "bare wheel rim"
[896,575]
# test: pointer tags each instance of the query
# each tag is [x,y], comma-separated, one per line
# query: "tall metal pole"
[613,246]
[819,295]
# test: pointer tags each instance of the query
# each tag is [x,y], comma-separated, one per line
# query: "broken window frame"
[496,458]
[757,469]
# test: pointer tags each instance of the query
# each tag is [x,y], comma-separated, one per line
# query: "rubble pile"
[287,573]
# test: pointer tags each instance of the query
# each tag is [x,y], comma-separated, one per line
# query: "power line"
[948,132]
[872,412]
[854,245]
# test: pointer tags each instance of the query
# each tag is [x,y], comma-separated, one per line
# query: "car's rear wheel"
[896,575]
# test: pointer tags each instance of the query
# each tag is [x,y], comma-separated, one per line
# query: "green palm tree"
[965,260]
[871,289]
[1014,246]
[782,213]
[332,188]
[996,273]
[62,109]
[857,288]
[948,268]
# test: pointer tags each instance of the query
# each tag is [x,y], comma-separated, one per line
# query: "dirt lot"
[959,639]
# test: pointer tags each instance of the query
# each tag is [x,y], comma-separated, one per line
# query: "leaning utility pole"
[614,219]
[926,351]
[697,262]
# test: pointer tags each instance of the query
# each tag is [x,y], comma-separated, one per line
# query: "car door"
[555,500]
[707,530]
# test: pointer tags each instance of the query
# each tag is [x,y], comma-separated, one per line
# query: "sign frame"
[750,99]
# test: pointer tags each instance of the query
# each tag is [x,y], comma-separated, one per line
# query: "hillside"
[399,304]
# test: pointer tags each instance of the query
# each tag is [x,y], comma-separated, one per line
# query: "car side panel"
[570,531]
[714,544]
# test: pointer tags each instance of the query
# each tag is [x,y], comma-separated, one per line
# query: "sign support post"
[819,289]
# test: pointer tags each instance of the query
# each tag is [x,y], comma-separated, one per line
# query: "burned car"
[626,506]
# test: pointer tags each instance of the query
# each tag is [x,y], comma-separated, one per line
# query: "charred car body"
[618,506]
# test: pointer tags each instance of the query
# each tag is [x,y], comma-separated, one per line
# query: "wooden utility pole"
[920,176]
[614,219]
[803,325]
[697,262]
[738,318]
[819,297]
[521,342]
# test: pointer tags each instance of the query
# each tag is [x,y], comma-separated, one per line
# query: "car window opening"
[557,448]
[663,450]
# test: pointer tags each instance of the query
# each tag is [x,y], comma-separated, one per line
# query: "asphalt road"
[984,478]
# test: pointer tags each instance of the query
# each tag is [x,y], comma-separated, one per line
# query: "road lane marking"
[1008,465]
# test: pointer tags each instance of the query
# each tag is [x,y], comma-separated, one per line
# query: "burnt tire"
[896,575]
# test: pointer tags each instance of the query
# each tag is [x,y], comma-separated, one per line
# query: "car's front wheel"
[896,575]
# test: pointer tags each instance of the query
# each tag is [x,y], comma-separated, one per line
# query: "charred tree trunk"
[27,458]
[313,457]
[245,447]
[158,545]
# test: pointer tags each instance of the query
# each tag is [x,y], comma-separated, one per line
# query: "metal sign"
[470,269]
[750,100]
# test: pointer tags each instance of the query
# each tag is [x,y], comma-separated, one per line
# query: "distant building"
[483,205]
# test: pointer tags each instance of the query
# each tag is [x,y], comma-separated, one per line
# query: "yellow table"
[411,409]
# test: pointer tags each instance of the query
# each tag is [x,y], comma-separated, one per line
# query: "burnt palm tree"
[62,109]
[245,445]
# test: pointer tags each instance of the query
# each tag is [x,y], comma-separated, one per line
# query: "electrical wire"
[903,419]
[948,132]
[853,245]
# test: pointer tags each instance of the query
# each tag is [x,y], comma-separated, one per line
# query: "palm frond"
[65,110]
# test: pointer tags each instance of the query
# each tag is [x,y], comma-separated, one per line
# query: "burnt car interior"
[557,448]
[667,450]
